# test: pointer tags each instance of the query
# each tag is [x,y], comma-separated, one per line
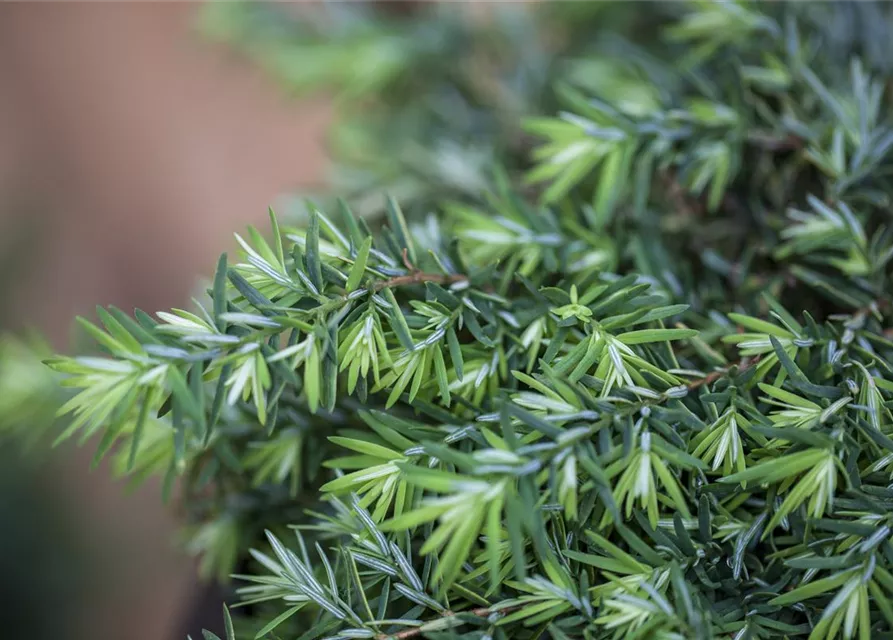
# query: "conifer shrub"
[638,386]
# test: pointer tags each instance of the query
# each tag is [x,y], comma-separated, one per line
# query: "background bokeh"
[130,149]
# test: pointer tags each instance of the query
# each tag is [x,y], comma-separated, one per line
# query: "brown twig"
[418,277]
[713,376]
[480,612]
[406,262]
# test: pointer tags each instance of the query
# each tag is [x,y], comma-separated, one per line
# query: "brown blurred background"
[129,151]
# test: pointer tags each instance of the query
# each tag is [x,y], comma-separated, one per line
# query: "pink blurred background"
[130,150]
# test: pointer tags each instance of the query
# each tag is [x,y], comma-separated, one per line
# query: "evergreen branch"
[550,439]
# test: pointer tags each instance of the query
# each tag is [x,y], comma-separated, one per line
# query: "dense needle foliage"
[642,390]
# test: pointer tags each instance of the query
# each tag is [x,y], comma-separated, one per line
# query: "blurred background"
[135,138]
[130,150]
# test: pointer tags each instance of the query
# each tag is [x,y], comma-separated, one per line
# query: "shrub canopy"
[635,385]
